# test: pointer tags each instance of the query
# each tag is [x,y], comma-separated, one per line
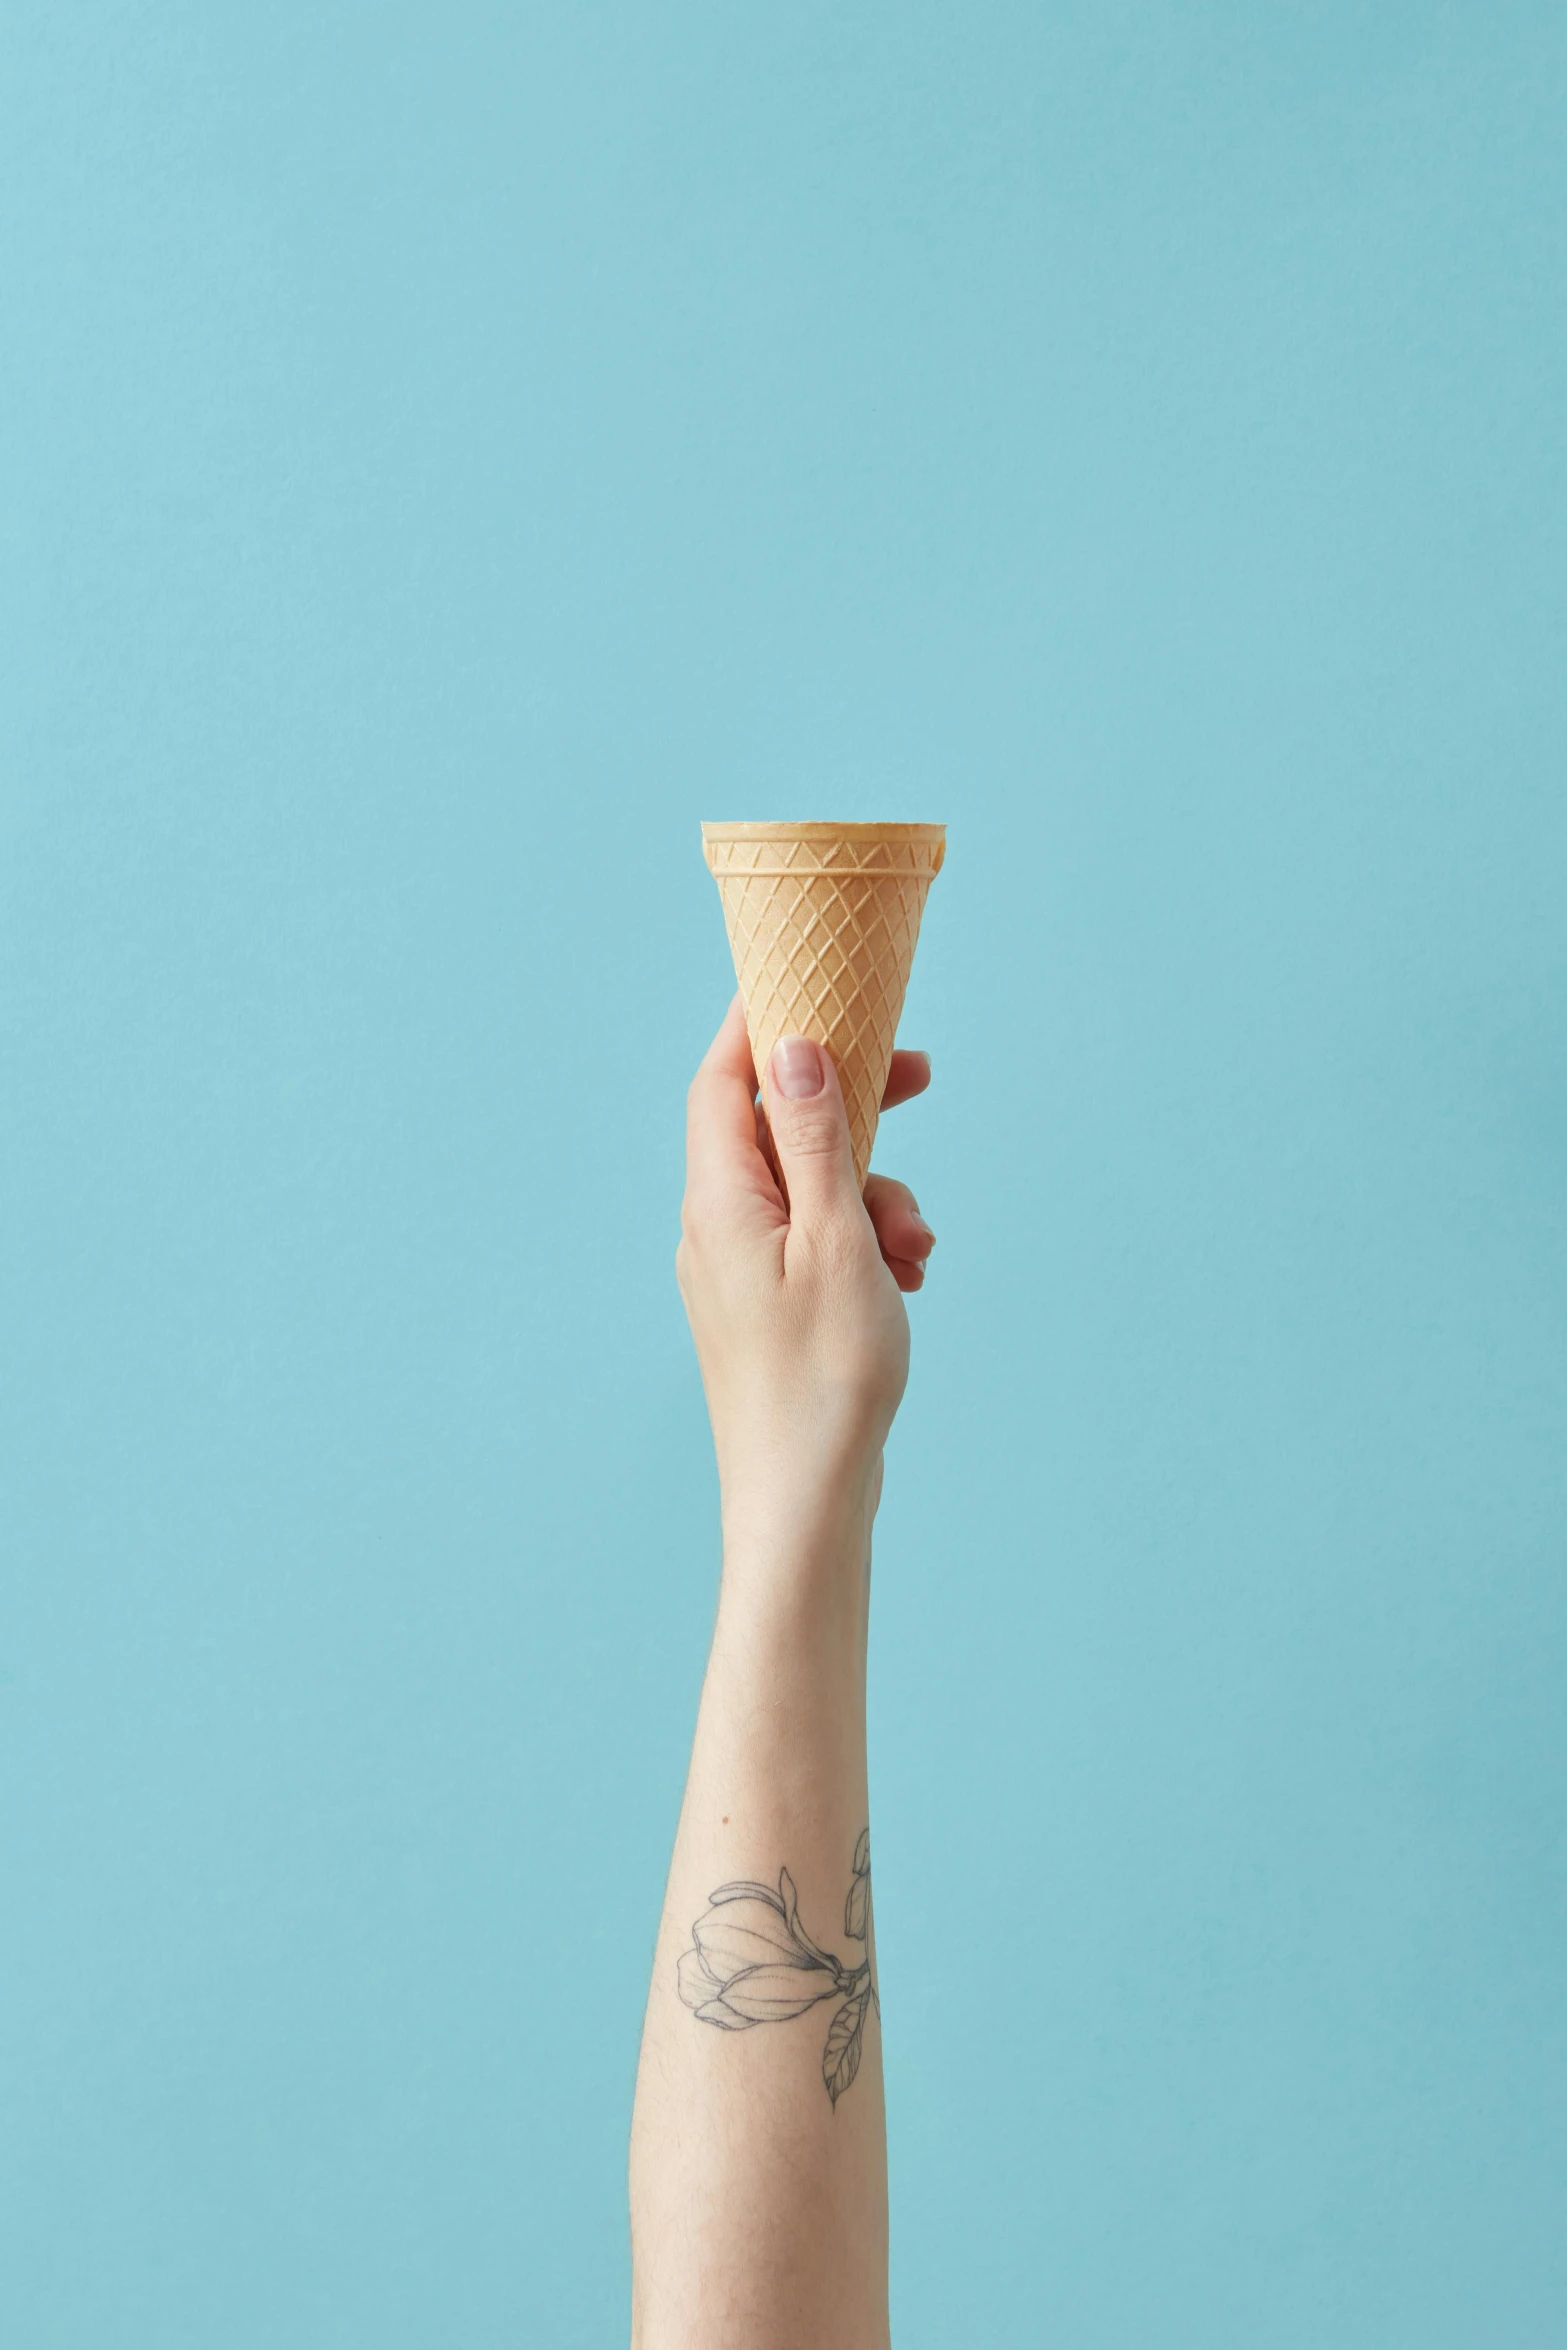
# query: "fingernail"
[797,1068]
[921,1226]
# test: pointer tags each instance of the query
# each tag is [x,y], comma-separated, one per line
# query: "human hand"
[800,1329]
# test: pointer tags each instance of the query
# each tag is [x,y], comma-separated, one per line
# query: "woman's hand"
[799,1325]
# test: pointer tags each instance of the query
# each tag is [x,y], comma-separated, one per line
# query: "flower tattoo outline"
[753,1962]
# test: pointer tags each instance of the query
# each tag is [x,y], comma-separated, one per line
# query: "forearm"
[758,2161]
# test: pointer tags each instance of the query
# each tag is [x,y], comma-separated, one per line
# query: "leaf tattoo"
[845,2038]
[753,1962]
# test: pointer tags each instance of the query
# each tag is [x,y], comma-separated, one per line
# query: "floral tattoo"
[752,1962]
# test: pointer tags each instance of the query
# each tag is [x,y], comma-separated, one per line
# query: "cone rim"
[818,829]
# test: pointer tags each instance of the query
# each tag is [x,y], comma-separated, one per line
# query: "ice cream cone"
[823,920]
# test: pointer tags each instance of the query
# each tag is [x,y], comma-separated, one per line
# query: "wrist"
[804,1525]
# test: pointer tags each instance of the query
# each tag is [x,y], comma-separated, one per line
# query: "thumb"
[810,1130]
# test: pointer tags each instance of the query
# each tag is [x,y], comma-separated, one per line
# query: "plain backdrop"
[445,452]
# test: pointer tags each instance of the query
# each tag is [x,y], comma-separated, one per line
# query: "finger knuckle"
[813,1130]
[694,1099]
[697,1213]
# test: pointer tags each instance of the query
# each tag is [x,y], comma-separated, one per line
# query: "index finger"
[721,1107]
[908,1075]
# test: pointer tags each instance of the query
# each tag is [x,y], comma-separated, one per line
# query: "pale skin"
[758,2145]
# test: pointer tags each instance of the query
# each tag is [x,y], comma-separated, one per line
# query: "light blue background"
[445,452]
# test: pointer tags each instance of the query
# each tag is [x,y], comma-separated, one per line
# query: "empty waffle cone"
[823,921]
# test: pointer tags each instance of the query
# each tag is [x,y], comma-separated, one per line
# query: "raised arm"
[758,2147]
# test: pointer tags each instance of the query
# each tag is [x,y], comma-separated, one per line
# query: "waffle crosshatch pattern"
[823,921]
